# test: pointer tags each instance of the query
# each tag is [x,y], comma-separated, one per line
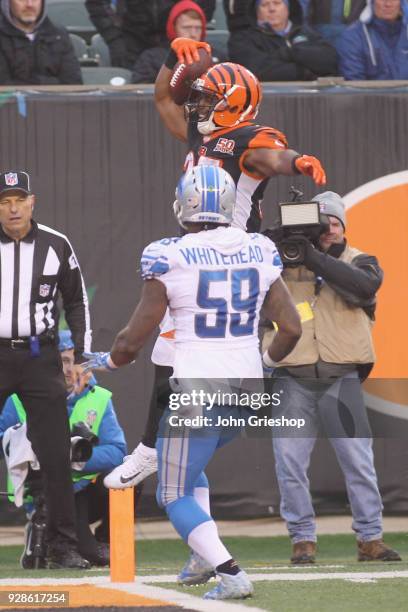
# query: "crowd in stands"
[279,40]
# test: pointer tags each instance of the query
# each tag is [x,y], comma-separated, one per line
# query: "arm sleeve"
[111,449]
[75,301]
[356,282]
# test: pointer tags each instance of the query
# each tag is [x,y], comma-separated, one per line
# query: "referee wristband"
[171,60]
[270,363]
[293,164]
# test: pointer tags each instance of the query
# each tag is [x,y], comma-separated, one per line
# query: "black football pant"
[158,403]
[40,385]
[92,504]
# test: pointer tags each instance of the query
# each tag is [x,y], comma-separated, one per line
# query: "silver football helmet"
[205,194]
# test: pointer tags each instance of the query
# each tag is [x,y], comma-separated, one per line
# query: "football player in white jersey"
[215,280]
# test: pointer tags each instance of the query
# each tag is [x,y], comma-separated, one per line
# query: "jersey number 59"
[221,306]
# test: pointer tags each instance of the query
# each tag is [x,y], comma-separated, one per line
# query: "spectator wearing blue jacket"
[93,407]
[376,46]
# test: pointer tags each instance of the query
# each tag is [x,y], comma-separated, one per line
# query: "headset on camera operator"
[334,288]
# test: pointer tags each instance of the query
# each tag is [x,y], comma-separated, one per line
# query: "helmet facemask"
[200,108]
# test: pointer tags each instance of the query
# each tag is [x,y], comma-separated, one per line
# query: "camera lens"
[291,252]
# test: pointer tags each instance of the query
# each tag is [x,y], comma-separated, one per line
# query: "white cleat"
[135,468]
[196,571]
[231,587]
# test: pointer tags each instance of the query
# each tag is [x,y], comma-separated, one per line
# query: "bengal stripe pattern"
[246,90]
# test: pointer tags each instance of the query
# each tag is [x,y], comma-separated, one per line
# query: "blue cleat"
[195,571]
[231,587]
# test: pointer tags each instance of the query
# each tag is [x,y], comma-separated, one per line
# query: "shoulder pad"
[271,250]
[155,258]
[268,138]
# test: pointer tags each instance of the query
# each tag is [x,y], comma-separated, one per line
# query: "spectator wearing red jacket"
[186,20]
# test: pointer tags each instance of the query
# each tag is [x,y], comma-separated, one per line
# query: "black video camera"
[82,442]
[299,221]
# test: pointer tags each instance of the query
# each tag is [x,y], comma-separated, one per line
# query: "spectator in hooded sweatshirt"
[275,45]
[376,46]
[140,25]
[187,20]
[34,51]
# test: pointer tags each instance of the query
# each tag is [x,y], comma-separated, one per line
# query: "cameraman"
[91,416]
[334,289]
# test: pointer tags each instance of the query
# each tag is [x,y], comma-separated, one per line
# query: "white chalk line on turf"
[181,598]
[304,577]
[146,580]
[138,587]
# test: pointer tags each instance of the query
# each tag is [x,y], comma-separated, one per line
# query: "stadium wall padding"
[104,171]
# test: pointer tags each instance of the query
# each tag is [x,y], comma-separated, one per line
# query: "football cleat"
[135,468]
[231,587]
[196,571]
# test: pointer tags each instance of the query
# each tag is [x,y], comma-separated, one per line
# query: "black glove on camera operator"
[82,442]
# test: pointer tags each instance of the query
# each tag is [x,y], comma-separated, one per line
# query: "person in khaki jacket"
[335,293]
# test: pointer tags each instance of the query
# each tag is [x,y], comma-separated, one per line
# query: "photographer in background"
[97,446]
[334,288]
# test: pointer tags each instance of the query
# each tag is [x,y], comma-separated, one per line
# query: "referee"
[36,265]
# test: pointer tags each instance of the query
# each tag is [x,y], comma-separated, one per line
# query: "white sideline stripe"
[138,588]
[299,577]
[180,599]
[142,580]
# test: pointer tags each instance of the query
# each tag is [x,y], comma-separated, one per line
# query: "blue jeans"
[354,454]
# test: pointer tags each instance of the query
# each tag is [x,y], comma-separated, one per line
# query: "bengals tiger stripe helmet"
[224,96]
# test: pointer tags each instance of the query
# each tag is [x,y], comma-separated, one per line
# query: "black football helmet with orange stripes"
[224,96]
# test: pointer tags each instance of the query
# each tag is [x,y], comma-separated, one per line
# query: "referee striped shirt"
[33,272]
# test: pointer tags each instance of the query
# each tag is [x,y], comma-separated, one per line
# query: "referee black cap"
[14,180]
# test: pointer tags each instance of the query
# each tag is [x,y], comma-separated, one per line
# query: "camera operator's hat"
[65,340]
[10,181]
[331,204]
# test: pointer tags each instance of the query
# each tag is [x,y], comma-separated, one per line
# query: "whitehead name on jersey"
[216,282]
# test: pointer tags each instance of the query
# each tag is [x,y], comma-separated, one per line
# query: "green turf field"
[269,556]
[324,596]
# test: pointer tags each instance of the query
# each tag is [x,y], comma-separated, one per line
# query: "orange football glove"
[186,49]
[306,164]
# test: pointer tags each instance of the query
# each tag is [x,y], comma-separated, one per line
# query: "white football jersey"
[216,282]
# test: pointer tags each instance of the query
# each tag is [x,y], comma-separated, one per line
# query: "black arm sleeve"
[356,282]
[75,301]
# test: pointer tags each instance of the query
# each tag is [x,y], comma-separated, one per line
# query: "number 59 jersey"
[216,282]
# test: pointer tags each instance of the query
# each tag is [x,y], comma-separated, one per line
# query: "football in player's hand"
[185,74]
